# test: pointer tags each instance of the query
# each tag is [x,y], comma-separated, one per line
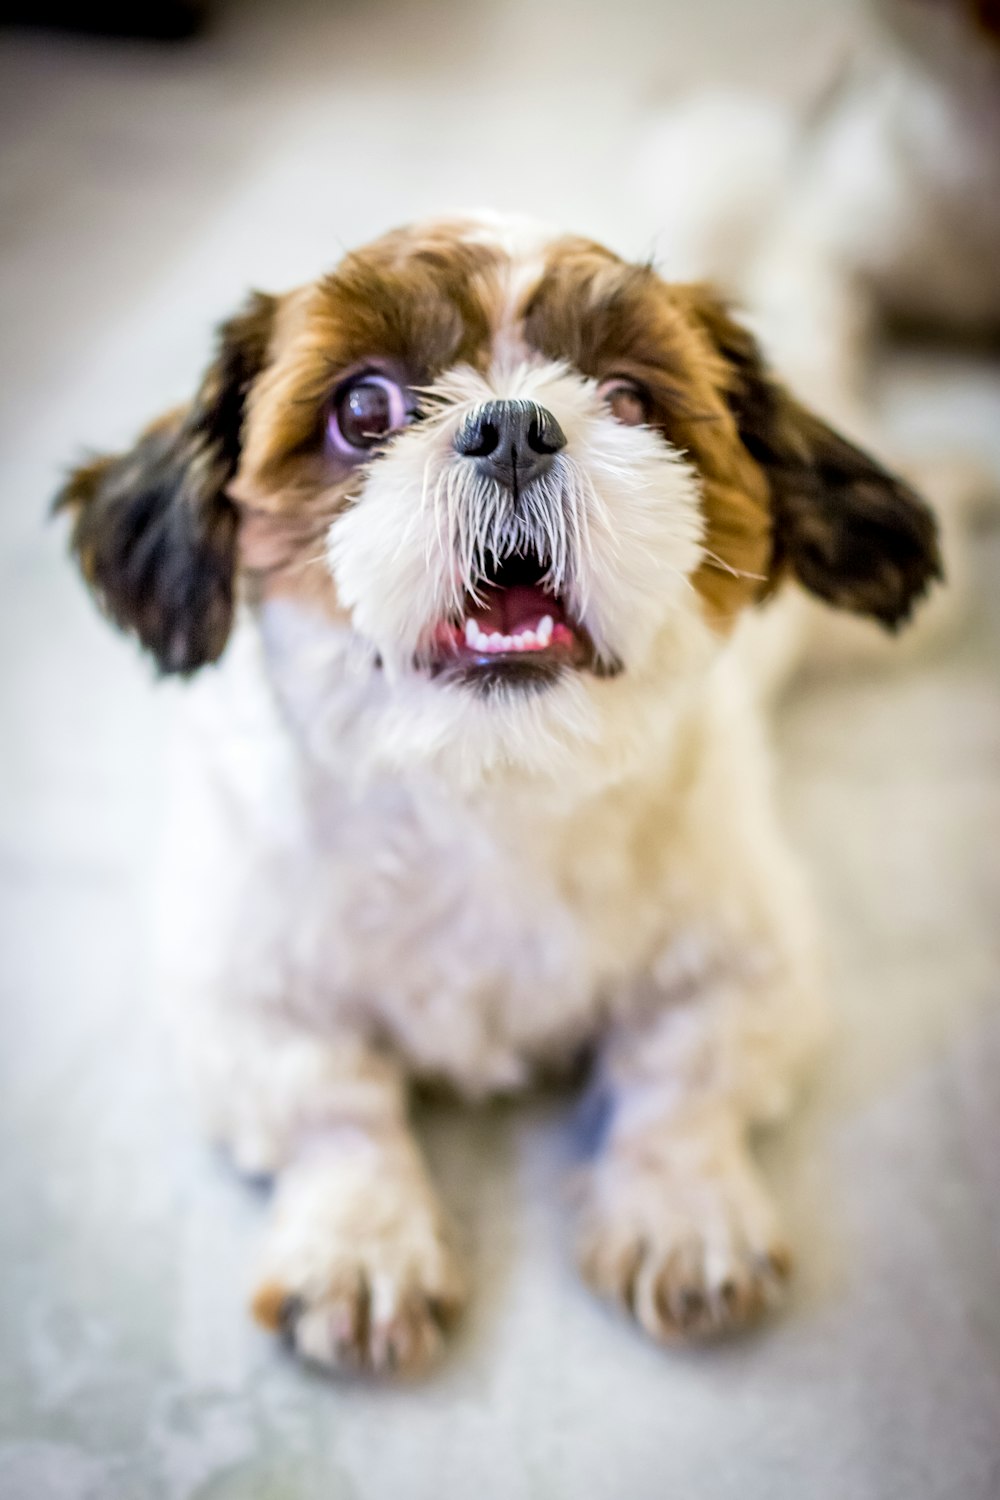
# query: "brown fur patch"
[781,491]
[852,533]
[610,318]
[268,1305]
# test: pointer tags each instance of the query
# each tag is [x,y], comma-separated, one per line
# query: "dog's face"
[509,469]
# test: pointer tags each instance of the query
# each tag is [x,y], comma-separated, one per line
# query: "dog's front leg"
[676,1223]
[357,1271]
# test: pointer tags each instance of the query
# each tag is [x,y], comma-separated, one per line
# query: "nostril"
[536,439]
[487,441]
[478,439]
[544,433]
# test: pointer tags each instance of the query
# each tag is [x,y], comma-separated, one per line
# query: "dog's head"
[510,471]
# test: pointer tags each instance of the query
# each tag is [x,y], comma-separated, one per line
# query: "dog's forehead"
[460,290]
[492,252]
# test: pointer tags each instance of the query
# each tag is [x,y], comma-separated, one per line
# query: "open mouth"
[514,629]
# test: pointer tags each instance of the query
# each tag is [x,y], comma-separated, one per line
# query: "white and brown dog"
[478,782]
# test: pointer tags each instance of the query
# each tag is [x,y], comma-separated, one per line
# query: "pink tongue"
[513,610]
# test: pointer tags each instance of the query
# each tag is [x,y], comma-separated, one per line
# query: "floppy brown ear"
[153,529]
[851,532]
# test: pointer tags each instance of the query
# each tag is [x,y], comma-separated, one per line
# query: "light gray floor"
[139,193]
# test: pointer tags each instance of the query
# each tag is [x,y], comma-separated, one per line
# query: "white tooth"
[504,642]
[544,630]
[471,631]
[528,639]
[492,642]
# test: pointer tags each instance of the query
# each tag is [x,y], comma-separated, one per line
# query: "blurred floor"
[140,191]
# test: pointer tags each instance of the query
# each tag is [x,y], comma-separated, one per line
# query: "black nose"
[511,441]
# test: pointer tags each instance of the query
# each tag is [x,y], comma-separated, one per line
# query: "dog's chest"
[481,935]
[482,943]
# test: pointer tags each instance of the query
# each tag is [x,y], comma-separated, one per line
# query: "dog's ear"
[153,529]
[851,532]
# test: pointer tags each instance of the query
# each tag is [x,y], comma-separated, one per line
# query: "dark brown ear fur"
[153,529]
[852,533]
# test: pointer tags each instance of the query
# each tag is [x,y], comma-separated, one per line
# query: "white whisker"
[715,561]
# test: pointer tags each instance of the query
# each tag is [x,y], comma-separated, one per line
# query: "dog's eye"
[365,411]
[628,402]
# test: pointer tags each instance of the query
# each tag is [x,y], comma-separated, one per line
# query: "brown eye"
[365,410]
[627,401]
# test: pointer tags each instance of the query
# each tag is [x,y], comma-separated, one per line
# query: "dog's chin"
[514,633]
[559,715]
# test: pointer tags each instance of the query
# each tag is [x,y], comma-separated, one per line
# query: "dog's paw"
[691,1251]
[357,1272]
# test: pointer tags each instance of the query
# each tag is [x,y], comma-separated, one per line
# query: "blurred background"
[144,185]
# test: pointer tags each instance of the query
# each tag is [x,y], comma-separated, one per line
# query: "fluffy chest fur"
[481,929]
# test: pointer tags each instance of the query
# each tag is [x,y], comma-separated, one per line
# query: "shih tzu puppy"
[458,539]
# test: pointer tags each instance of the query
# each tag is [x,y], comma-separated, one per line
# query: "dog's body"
[482,934]
[478,785]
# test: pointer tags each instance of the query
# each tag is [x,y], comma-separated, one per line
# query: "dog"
[460,541]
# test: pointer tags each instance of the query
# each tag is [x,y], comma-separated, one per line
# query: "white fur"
[320,919]
[377,874]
